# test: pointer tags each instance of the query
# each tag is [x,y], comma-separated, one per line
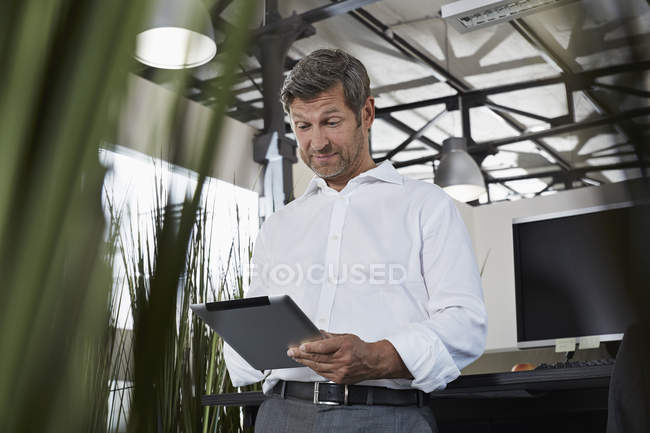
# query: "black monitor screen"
[580,275]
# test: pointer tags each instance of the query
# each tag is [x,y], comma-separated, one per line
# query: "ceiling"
[412,55]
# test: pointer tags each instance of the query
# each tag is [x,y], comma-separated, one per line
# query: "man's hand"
[345,358]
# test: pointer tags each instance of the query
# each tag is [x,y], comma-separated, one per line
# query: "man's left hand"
[345,358]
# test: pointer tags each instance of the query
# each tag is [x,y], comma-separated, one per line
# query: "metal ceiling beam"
[530,115]
[416,161]
[370,22]
[611,147]
[386,111]
[610,155]
[623,89]
[404,85]
[486,145]
[383,152]
[575,173]
[479,96]
[415,136]
[334,9]
[398,124]
[591,123]
[383,31]
[629,131]
[316,14]
[386,33]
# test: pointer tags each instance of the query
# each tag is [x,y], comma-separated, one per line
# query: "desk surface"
[522,384]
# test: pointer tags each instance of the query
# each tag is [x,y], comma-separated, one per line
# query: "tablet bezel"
[248,324]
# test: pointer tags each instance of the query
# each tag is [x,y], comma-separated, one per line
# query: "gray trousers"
[290,415]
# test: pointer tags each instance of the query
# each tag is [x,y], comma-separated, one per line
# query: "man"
[381,263]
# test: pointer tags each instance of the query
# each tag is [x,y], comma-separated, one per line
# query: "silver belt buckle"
[330,403]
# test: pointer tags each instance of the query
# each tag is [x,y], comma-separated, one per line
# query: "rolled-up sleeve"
[240,371]
[454,335]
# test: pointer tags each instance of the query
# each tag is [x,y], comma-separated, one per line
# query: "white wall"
[147,110]
[301,177]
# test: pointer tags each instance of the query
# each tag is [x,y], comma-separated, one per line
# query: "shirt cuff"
[425,356]
[241,372]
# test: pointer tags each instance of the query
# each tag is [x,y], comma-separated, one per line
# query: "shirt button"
[335,237]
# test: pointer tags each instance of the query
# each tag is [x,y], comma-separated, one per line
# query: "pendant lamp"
[458,174]
[179,35]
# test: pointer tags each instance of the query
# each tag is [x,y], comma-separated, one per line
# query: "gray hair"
[320,71]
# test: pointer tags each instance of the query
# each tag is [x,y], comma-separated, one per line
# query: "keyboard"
[576,364]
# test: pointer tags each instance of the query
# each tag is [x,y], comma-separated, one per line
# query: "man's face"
[330,139]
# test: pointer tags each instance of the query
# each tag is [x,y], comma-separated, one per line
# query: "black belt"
[335,394]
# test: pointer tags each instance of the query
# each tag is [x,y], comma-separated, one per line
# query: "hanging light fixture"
[458,174]
[179,35]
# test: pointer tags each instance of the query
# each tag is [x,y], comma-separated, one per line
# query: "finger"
[329,345]
[316,357]
[295,352]
[318,367]
[315,338]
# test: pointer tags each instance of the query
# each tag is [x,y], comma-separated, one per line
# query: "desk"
[572,400]
[563,400]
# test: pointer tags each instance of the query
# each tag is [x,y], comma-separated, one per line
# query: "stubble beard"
[344,164]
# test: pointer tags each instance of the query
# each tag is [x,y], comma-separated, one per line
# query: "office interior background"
[134,180]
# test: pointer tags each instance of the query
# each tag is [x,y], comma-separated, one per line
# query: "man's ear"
[368,112]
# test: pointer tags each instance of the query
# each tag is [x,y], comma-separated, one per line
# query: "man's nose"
[319,139]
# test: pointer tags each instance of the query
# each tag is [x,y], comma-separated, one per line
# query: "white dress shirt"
[387,257]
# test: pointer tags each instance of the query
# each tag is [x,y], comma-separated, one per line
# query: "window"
[138,188]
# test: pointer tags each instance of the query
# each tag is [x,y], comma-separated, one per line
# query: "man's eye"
[302,126]
[333,123]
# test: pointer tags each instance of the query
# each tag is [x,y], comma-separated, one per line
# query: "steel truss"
[575,174]
[465,99]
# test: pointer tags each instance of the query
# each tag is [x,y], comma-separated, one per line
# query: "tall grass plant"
[65,69]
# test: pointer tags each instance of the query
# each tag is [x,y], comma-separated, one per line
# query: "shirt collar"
[384,172]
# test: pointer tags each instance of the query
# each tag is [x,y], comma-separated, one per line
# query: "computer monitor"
[576,272]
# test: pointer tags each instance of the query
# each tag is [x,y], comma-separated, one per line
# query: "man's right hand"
[345,358]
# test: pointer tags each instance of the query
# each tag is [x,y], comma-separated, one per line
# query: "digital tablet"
[260,329]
